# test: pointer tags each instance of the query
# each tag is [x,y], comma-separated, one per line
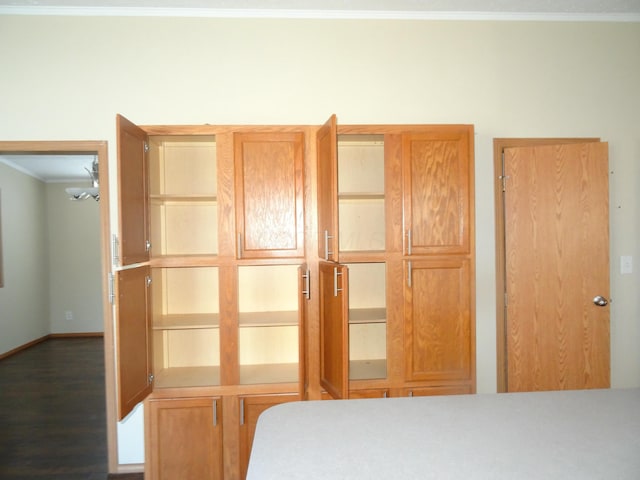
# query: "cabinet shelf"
[367,369]
[268,319]
[360,196]
[269,373]
[187,377]
[367,315]
[182,198]
[187,321]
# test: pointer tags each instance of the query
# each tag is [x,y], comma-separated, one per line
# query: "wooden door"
[133,192]
[184,439]
[251,406]
[133,338]
[439,331]
[334,329]
[269,188]
[556,263]
[438,190]
[327,152]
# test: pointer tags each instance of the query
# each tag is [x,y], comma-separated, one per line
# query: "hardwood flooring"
[52,412]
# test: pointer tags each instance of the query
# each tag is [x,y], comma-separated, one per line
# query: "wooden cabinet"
[185,439]
[262,264]
[403,312]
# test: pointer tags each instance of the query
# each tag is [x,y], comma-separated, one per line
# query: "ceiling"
[316,7]
[59,168]
[51,168]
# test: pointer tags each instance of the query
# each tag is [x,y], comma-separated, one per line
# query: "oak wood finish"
[334,329]
[133,335]
[134,193]
[327,161]
[438,327]
[437,189]
[556,251]
[185,439]
[499,145]
[269,186]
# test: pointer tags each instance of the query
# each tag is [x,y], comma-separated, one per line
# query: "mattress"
[586,434]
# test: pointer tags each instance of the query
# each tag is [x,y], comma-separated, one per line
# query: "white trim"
[319,14]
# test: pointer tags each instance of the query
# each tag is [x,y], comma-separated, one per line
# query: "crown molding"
[318,14]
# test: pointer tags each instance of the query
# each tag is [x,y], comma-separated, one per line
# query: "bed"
[586,434]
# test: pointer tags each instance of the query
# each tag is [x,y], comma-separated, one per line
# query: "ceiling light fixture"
[79,193]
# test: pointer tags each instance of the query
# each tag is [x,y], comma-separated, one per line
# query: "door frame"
[499,145]
[98,148]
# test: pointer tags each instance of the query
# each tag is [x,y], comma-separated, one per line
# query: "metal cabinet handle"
[327,252]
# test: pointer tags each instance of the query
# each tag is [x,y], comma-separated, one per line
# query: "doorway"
[99,149]
[552,264]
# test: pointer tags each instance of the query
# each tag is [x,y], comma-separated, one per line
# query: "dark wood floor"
[52,412]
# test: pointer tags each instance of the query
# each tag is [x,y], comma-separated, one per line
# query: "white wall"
[24,299]
[67,77]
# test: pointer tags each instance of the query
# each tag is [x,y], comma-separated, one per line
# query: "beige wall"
[75,271]
[24,299]
[67,77]
[51,250]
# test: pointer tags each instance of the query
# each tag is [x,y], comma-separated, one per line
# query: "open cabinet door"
[556,266]
[327,152]
[133,339]
[334,329]
[133,192]
[304,289]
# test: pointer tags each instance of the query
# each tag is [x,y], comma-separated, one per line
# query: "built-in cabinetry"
[397,259]
[264,264]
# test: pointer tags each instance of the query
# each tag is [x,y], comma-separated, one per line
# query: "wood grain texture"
[133,192]
[556,262]
[334,330]
[327,178]
[437,191]
[133,328]
[438,329]
[269,184]
[185,438]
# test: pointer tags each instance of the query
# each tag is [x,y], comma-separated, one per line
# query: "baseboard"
[47,337]
[75,335]
[23,347]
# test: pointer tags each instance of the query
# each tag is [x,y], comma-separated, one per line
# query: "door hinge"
[150,379]
[115,250]
[146,147]
[148,280]
[112,294]
[147,245]
[504,178]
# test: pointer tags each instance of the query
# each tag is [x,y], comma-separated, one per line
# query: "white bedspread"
[588,434]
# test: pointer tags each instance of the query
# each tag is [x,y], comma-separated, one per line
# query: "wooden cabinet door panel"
[438,191]
[334,329]
[133,192]
[133,330]
[439,334]
[326,148]
[251,407]
[269,187]
[185,439]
